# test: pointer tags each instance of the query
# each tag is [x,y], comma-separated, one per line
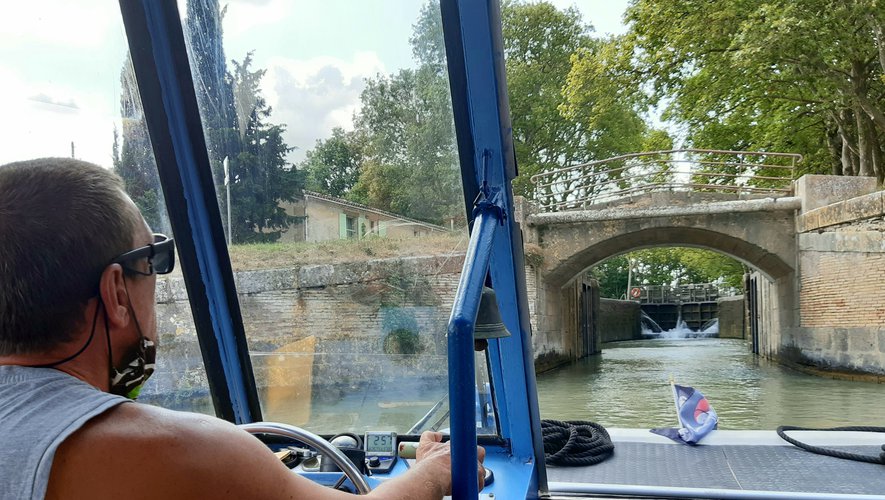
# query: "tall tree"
[260,176]
[235,119]
[539,42]
[667,266]
[133,157]
[568,105]
[406,123]
[759,74]
[204,39]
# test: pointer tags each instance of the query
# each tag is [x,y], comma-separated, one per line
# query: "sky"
[60,65]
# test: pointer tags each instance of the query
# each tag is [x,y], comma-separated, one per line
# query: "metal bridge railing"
[701,170]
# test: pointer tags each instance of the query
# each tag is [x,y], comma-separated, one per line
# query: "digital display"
[380,444]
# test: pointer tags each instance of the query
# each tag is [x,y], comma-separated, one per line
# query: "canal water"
[627,385]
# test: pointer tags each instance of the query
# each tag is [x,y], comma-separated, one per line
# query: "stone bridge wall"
[759,232]
[820,257]
[841,296]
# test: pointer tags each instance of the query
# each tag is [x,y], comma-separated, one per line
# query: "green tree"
[214,86]
[612,275]
[666,266]
[569,104]
[133,158]
[539,41]
[770,75]
[260,176]
[235,119]
[332,166]
[410,163]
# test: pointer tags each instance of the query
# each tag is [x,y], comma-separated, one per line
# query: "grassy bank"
[280,255]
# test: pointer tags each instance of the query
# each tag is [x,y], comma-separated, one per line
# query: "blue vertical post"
[462,375]
[475,60]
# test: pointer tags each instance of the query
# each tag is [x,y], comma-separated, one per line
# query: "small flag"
[696,417]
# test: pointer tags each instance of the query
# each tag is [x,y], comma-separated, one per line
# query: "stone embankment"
[357,323]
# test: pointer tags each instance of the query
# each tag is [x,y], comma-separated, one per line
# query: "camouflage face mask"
[129,381]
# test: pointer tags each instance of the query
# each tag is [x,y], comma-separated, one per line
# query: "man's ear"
[112,289]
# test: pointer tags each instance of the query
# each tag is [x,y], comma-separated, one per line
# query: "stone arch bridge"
[778,237]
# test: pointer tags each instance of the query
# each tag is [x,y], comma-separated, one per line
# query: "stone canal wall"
[353,323]
[618,320]
[841,298]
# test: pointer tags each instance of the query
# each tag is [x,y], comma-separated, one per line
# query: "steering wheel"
[310,439]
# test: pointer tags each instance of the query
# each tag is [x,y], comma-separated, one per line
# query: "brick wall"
[842,289]
[858,300]
[841,301]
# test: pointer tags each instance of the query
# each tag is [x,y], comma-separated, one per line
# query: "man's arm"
[138,451]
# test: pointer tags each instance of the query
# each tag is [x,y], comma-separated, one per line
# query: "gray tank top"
[39,409]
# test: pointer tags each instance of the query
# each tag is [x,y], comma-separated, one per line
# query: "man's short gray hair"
[61,222]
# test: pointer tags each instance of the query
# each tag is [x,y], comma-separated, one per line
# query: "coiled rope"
[781,431]
[574,443]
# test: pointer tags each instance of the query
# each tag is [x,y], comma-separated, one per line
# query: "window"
[366,118]
[69,91]
[350,227]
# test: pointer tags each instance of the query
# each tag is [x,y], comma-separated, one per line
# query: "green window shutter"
[342,226]
[382,228]
[362,227]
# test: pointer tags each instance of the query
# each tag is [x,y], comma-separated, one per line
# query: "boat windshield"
[330,133]
[345,281]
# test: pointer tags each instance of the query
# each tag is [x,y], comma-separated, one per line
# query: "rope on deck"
[575,443]
[781,431]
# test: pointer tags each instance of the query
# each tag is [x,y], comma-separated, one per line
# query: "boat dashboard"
[377,456]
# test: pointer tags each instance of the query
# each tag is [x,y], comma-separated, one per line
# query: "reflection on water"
[628,386]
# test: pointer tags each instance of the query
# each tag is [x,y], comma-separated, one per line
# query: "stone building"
[322,217]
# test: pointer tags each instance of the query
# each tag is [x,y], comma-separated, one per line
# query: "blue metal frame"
[475,60]
[159,57]
[474,50]
[462,374]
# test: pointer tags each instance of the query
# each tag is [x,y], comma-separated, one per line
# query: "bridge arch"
[760,233]
[769,264]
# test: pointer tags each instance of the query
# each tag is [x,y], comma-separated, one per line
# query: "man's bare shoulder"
[140,424]
[136,450]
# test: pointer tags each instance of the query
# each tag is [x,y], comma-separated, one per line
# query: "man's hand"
[432,449]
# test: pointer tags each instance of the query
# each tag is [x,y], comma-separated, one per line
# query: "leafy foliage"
[332,166]
[260,177]
[666,266]
[411,163]
[569,100]
[539,41]
[801,77]
[133,158]
[402,156]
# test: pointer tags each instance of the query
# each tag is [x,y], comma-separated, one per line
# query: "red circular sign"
[635,293]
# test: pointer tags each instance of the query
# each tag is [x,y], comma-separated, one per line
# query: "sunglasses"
[160,255]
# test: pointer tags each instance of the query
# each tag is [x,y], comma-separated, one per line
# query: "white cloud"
[244,15]
[64,105]
[80,24]
[44,119]
[605,16]
[313,96]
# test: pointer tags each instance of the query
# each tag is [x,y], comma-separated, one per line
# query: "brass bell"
[488,318]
